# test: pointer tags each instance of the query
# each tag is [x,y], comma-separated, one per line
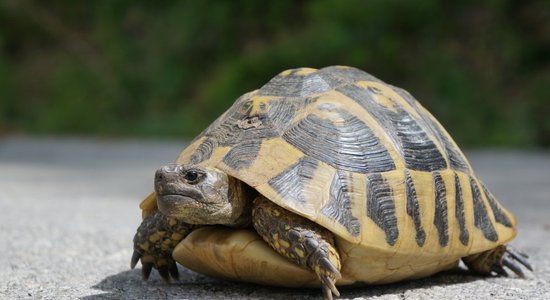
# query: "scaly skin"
[300,240]
[154,242]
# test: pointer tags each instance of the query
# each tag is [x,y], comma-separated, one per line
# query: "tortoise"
[323,178]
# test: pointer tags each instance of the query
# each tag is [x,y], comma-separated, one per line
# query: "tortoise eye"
[191,176]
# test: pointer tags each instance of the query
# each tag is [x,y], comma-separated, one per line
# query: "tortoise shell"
[363,159]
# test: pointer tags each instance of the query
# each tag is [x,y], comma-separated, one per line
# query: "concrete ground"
[69,210]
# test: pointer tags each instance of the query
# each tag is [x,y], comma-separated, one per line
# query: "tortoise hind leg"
[494,261]
[300,240]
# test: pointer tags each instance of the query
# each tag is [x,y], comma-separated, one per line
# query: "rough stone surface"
[69,209]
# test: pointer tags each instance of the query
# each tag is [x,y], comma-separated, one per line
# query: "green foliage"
[169,68]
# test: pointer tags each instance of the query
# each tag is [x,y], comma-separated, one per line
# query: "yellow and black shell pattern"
[361,158]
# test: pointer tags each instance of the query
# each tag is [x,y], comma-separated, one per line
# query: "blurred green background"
[168,68]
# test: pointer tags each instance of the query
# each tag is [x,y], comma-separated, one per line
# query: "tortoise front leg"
[300,240]
[154,241]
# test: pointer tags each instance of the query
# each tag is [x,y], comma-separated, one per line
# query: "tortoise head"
[201,195]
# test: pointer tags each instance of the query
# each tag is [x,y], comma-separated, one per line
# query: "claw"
[135,258]
[146,270]
[163,271]
[328,276]
[500,271]
[512,266]
[517,252]
[328,283]
[327,294]
[174,271]
[327,264]
[520,257]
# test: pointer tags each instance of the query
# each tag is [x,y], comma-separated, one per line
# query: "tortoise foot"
[166,266]
[154,241]
[498,260]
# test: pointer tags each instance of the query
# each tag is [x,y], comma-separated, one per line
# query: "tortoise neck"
[241,196]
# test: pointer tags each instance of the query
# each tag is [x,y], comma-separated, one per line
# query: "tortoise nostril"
[159,175]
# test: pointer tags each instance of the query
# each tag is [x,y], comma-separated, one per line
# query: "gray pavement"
[69,209]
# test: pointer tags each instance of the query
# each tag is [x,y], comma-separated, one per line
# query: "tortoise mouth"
[175,197]
[171,204]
